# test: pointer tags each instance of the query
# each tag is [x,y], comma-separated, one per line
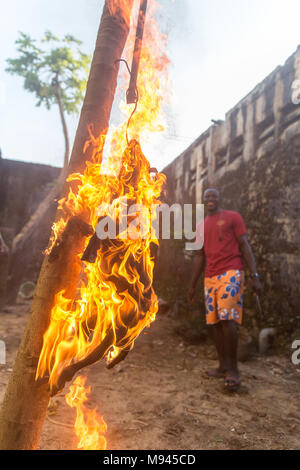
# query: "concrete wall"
[253,157]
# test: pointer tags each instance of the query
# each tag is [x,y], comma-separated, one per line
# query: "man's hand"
[198,268]
[191,294]
[256,285]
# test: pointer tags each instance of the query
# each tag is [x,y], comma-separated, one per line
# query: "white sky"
[219,51]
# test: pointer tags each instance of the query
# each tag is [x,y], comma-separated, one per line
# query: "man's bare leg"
[218,337]
[230,335]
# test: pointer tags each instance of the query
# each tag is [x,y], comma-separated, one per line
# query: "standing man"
[224,249]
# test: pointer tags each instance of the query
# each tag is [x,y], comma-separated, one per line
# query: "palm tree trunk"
[25,402]
[64,126]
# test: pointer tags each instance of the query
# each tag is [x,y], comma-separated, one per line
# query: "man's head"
[211,199]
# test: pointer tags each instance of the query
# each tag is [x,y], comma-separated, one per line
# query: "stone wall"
[253,157]
[22,187]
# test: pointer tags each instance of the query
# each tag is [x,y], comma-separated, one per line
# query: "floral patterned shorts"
[224,297]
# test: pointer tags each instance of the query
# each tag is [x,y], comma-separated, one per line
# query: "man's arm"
[248,256]
[198,268]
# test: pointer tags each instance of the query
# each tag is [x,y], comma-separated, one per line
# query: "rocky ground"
[159,397]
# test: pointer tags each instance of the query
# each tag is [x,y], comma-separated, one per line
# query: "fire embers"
[115,300]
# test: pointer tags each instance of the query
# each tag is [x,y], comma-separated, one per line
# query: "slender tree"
[56,74]
[25,403]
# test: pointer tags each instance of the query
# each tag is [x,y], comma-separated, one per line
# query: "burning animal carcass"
[116,298]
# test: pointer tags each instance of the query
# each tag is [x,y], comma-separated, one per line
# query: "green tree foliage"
[55,71]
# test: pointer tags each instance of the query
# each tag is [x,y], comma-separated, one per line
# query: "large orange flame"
[115,299]
[89,425]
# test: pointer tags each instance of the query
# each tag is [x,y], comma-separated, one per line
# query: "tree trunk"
[25,402]
[26,257]
[64,126]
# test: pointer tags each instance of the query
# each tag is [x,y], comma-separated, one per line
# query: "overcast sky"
[219,51]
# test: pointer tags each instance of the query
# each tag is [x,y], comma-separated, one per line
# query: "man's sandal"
[232,383]
[215,373]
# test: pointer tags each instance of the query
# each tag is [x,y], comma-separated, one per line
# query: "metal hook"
[128,91]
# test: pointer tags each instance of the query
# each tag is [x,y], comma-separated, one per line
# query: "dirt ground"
[159,397]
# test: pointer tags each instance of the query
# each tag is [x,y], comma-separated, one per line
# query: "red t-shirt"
[221,248]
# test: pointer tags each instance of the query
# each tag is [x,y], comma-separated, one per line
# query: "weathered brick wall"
[253,157]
